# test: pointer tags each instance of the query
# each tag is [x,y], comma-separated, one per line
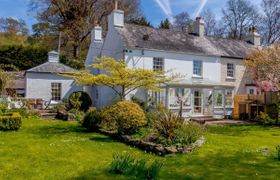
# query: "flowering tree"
[121,79]
[264,67]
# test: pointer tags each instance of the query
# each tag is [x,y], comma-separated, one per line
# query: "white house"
[213,67]
[43,81]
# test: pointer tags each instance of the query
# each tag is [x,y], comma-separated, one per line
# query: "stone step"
[203,119]
[48,115]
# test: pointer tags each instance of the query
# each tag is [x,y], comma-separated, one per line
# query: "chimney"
[199,27]
[53,56]
[116,18]
[254,37]
[96,34]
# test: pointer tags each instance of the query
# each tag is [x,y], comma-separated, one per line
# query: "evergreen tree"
[165,24]
[142,21]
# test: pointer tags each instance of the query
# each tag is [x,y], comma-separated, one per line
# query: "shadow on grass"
[104,139]
[56,129]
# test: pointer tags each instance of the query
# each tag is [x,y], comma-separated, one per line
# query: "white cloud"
[200,8]
[166,8]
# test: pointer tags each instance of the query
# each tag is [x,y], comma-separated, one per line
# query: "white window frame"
[194,68]
[179,93]
[215,98]
[231,70]
[232,97]
[56,96]
[157,65]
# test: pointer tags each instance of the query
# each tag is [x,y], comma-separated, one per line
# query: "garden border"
[158,149]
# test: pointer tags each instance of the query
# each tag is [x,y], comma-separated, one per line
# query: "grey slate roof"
[168,40]
[51,67]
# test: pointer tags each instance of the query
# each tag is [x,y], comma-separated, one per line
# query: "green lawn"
[61,150]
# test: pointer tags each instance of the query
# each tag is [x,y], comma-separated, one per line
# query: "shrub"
[91,119]
[187,134]
[266,120]
[166,124]
[75,114]
[80,100]
[10,121]
[127,165]
[3,106]
[108,121]
[74,100]
[128,116]
[25,113]
[140,102]
[59,107]
[278,152]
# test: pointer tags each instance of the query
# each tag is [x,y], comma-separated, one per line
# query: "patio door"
[208,102]
[197,103]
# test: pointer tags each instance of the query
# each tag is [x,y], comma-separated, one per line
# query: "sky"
[154,10]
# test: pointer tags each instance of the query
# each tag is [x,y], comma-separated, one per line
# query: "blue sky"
[155,10]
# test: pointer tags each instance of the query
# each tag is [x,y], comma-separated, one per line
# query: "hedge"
[10,121]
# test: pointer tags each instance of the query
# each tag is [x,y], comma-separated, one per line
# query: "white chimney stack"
[96,34]
[53,56]
[254,37]
[116,18]
[199,27]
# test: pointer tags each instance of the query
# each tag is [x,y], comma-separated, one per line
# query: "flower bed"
[158,149]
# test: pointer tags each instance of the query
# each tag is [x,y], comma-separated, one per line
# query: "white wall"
[112,47]
[176,62]
[38,85]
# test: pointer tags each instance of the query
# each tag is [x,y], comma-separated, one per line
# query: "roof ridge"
[186,33]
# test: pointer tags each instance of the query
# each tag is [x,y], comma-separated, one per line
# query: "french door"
[197,101]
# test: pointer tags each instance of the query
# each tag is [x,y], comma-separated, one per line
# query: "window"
[251,91]
[230,70]
[158,64]
[175,94]
[197,68]
[229,98]
[197,101]
[56,91]
[219,98]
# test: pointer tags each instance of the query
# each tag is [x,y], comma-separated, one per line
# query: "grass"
[62,150]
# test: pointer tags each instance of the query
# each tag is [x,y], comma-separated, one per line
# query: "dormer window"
[230,70]
[197,68]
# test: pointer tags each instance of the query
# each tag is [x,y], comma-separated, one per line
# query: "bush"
[108,121]
[140,102]
[166,124]
[10,121]
[127,165]
[187,134]
[266,120]
[25,113]
[3,106]
[80,100]
[59,107]
[129,117]
[278,152]
[91,119]
[75,114]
